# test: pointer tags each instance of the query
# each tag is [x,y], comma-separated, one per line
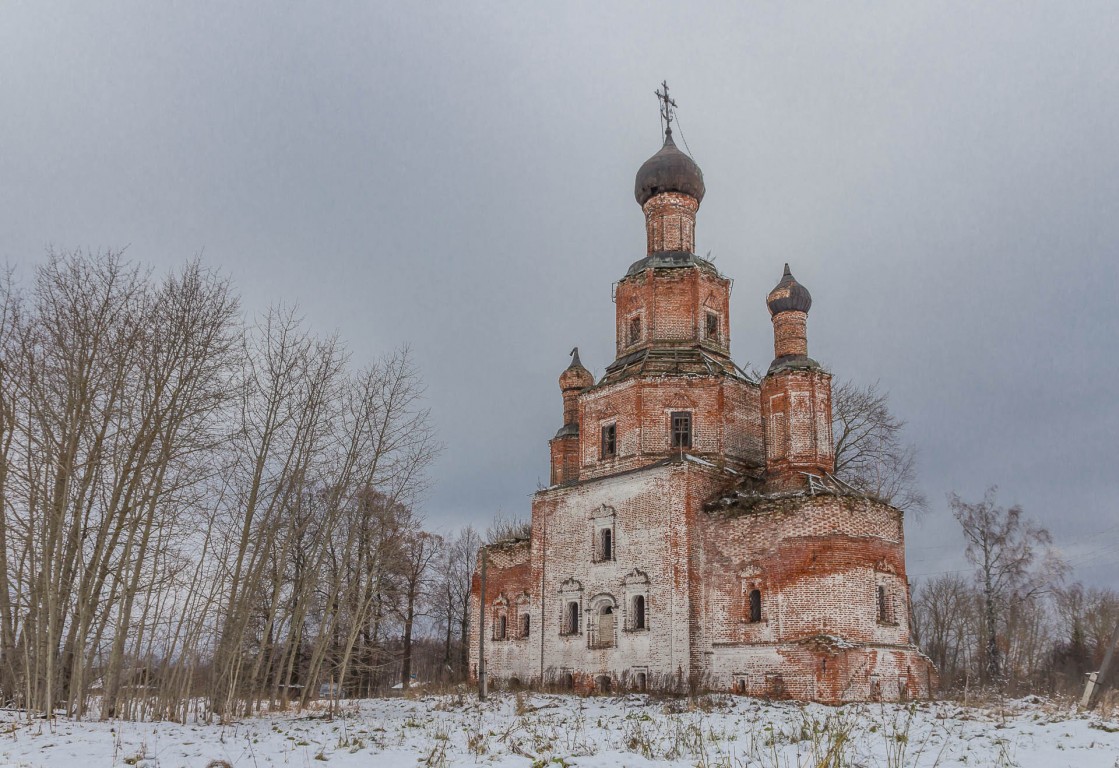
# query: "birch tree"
[1014,561]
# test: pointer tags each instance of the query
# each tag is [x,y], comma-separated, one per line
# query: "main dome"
[669,170]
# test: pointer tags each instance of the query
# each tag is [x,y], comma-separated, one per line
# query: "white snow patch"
[456,730]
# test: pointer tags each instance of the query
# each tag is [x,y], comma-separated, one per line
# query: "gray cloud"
[944,178]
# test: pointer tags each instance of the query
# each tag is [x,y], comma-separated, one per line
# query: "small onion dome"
[788,296]
[575,376]
[670,170]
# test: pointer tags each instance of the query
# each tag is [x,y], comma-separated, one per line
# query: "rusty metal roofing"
[669,260]
[673,361]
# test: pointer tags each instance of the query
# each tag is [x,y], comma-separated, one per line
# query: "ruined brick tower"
[692,534]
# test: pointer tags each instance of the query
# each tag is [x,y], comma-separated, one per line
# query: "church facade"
[693,536]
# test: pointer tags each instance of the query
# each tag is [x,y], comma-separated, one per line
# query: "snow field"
[552,731]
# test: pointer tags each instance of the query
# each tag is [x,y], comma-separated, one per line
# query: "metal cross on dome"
[667,106]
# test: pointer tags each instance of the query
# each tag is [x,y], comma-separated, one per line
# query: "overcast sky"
[459,177]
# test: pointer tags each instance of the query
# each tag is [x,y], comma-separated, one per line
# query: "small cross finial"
[668,106]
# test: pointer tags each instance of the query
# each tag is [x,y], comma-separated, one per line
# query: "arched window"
[639,612]
[755,605]
[572,618]
[499,629]
[524,624]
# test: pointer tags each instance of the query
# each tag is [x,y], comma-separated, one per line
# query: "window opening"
[755,605]
[882,614]
[573,618]
[499,633]
[639,612]
[639,681]
[712,326]
[635,329]
[525,621]
[609,441]
[681,429]
[607,547]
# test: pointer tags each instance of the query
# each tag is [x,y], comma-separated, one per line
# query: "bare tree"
[508,528]
[421,550]
[1014,562]
[114,386]
[189,506]
[870,453]
[451,602]
[946,625]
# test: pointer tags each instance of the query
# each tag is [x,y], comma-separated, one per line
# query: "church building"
[693,535]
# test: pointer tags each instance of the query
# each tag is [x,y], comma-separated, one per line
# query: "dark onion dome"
[789,296]
[670,170]
[575,376]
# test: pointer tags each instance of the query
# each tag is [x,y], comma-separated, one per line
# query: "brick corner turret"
[565,445]
[796,394]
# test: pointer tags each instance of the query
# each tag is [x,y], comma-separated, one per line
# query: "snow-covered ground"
[547,731]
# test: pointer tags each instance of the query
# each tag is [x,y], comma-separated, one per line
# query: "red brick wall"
[672,305]
[790,333]
[726,421]
[670,222]
[796,411]
[565,459]
[817,560]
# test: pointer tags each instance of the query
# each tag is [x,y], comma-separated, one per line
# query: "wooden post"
[482,632]
[1095,677]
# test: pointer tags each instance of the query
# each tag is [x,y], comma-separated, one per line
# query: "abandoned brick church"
[692,534]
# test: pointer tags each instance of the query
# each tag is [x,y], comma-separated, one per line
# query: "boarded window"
[712,330]
[755,607]
[635,329]
[639,612]
[604,630]
[681,429]
[609,441]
